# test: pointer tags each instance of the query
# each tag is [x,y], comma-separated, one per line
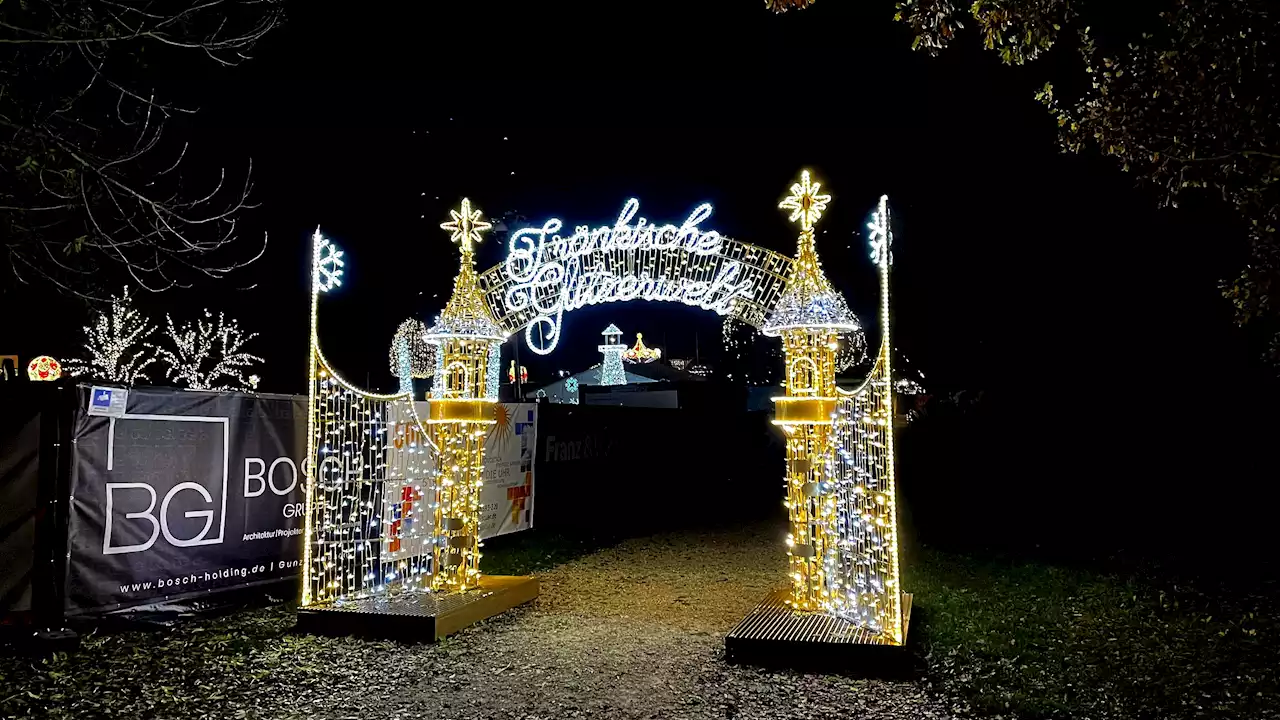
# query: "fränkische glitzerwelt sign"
[546,274]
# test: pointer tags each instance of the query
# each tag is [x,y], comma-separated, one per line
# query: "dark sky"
[1016,267]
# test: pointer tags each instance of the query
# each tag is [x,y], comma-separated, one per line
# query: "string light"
[462,399]
[611,371]
[207,354]
[410,344]
[546,275]
[852,350]
[841,494]
[116,345]
[861,569]
[328,266]
[370,466]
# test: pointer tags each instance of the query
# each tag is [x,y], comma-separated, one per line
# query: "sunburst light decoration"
[503,427]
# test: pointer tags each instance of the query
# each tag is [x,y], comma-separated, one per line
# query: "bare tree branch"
[91,191]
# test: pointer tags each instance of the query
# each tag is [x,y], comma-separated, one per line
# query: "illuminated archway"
[841,493]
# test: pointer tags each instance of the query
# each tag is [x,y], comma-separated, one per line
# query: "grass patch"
[532,551]
[1038,641]
[1009,639]
[228,666]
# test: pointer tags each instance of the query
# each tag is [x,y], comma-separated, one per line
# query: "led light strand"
[611,370]
[859,512]
[463,392]
[370,464]
[116,345]
[207,354]
[410,342]
[546,275]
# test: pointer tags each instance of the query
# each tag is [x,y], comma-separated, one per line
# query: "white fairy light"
[881,234]
[611,370]
[546,275]
[852,351]
[207,354]
[370,470]
[411,337]
[328,264]
[116,345]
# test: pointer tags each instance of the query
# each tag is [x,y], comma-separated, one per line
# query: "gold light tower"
[809,317]
[461,400]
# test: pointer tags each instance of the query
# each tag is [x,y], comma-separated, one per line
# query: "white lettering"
[262,482]
[271,476]
[551,275]
[199,539]
[107,548]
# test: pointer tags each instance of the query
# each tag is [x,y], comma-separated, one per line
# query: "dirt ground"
[635,631]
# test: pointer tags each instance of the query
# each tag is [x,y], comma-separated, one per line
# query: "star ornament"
[465,226]
[804,202]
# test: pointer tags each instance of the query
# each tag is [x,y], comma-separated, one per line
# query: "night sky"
[1017,269]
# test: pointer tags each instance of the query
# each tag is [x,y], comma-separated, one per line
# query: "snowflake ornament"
[881,236]
[328,264]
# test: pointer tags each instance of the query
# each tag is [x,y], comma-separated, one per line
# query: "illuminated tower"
[809,318]
[611,372]
[468,362]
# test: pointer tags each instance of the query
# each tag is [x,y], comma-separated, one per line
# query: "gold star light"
[465,226]
[804,202]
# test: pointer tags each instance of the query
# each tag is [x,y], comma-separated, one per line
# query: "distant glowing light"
[641,353]
[44,369]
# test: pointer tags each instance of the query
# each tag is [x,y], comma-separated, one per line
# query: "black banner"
[182,494]
[19,490]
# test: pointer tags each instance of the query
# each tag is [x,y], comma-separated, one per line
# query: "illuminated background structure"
[394,505]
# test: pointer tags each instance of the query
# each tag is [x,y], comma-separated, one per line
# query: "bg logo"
[161,457]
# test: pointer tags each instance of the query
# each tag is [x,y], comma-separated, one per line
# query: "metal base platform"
[419,616]
[774,635]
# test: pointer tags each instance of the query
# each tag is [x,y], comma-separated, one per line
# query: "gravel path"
[636,631]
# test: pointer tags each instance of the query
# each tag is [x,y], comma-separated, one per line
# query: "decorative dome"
[810,302]
[466,314]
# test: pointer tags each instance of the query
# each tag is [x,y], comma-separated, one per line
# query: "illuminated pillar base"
[775,635]
[419,617]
